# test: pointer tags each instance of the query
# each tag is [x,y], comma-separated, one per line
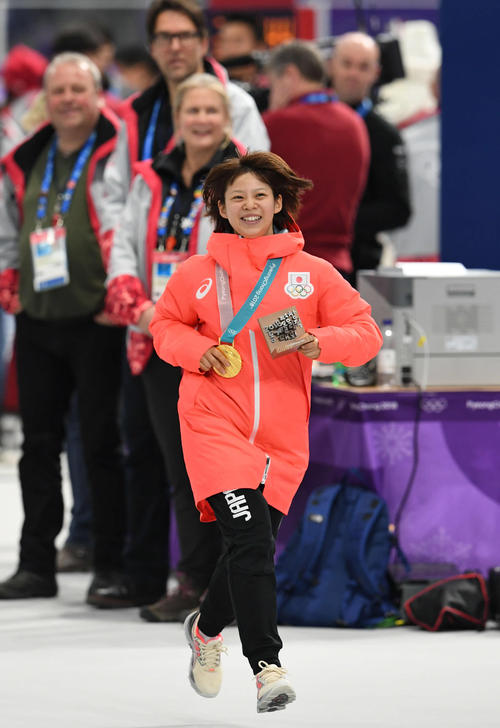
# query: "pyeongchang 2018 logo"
[202,291]
[299,285]
[491,405]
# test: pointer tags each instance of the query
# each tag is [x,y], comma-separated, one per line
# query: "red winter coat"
[229,426]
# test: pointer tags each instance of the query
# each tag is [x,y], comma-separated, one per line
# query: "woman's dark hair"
[189,8]
[268,167]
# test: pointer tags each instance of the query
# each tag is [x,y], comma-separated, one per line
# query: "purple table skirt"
[453,512]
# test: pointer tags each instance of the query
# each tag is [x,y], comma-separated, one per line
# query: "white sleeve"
[129,243]
[9,224]
[117,178]
[248,127]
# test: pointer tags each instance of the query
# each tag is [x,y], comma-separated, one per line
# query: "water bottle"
[406,368]
[386,358]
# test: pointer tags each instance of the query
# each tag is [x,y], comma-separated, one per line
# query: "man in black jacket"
[385,204]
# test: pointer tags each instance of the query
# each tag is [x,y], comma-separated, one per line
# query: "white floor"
[66,665]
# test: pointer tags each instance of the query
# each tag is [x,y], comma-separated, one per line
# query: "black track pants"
[243,585]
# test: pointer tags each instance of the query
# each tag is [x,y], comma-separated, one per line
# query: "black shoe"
[115,591]
[27,585]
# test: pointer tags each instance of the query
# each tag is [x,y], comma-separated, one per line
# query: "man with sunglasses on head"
[178,42]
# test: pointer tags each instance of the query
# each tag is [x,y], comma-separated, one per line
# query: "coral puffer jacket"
[230,427]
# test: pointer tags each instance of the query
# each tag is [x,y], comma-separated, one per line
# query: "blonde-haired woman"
[162,225]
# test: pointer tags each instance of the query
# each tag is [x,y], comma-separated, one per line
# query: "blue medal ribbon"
[319,97]
[253,301]
[364,107]
[70,184]
[147,147]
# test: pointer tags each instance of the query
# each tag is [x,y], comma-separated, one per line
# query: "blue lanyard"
[147,147]
[318,97]
[71,183]
[188,222]
[364,107]
[253,301]
[165,210]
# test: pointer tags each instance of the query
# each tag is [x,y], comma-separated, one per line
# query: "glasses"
[185,37]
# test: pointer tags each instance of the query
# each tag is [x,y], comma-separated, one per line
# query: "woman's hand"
[213,358]
[145,320]
[103,319]
[311,349]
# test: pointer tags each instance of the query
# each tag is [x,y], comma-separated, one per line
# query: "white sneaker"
[274,691]
[205,674]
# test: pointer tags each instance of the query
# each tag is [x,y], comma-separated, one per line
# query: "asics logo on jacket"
[202,291]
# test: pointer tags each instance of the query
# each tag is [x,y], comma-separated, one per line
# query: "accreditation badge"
[50,260]
[165,264]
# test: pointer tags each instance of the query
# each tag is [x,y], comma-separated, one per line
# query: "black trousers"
[146,555]
[53,360]
[200,543]
[244,582]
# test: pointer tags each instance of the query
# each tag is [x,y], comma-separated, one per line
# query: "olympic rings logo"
[433,405]
[299,290]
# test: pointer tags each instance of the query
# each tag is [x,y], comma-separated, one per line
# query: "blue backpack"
[333,571]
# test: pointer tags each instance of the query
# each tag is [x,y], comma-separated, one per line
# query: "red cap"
[23,70]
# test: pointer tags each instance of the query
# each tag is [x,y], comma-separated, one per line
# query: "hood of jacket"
[230,250]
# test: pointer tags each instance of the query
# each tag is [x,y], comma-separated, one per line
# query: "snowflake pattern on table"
[393,442]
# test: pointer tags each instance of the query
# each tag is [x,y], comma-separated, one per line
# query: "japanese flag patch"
[299,285]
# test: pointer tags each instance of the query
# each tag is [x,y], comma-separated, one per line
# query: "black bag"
[459,602]
[494,592]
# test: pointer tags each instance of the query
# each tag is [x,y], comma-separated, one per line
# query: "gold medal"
[234,358]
